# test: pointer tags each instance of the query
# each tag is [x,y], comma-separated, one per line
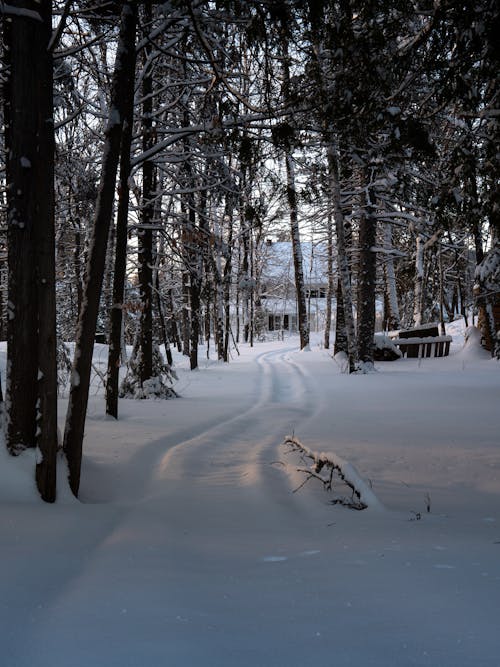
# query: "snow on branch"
[362,496]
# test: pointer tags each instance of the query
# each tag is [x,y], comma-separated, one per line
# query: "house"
[277,285]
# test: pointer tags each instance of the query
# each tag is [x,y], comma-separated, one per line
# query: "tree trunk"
[330,286]
[31,326]
[297,252]
[341,343]
[116,315]
[392,308]
[227,284]
[418,301]
[367,275]
[145,233]
[342,259]
[123,78]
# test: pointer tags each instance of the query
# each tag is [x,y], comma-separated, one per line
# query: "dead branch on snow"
[362,496]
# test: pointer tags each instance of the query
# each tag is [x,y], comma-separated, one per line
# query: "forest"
[151,150]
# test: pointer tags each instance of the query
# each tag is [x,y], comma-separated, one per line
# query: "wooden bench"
[420,342]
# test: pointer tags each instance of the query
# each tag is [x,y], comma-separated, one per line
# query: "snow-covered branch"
[362,496]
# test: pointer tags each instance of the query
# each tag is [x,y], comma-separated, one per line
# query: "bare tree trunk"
[123,77]
[392,315]
[116,315]
[186,320]
[145,233]
[226,280]
[367,275]
[342,260]
[418,304]
[341,343]
[297,252]
[291,191]
[330,286]
[31,326]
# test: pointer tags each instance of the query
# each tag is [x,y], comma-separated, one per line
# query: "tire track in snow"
[236,451]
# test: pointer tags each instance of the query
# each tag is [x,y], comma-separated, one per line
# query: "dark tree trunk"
[340,344]
[297,252]
[226,281]
[342,258]
[77,264]
[116,315]
[123,77]
[195,263]
[330,287]
[145,233]
[367,274]
[31,329]
[173,329]
[293,212]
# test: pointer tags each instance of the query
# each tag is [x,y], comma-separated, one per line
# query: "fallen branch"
[362,495]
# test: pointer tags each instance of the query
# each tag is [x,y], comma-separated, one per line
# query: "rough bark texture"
[77,405]
[31,331]
[22,119]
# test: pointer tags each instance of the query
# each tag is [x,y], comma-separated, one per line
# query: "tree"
[31,328]
[123,82]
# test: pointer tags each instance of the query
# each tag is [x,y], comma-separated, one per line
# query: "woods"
[151,151]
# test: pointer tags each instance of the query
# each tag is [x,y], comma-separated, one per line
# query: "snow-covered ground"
[190,548]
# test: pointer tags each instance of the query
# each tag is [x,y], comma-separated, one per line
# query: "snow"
[189,548]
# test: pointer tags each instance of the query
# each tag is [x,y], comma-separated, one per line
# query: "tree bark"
[342,259]
[418,300]
[123,76]
[330,286]
[392,308]
[145,233]
[367,274]
[116,315]
[31,326]
[297,252]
